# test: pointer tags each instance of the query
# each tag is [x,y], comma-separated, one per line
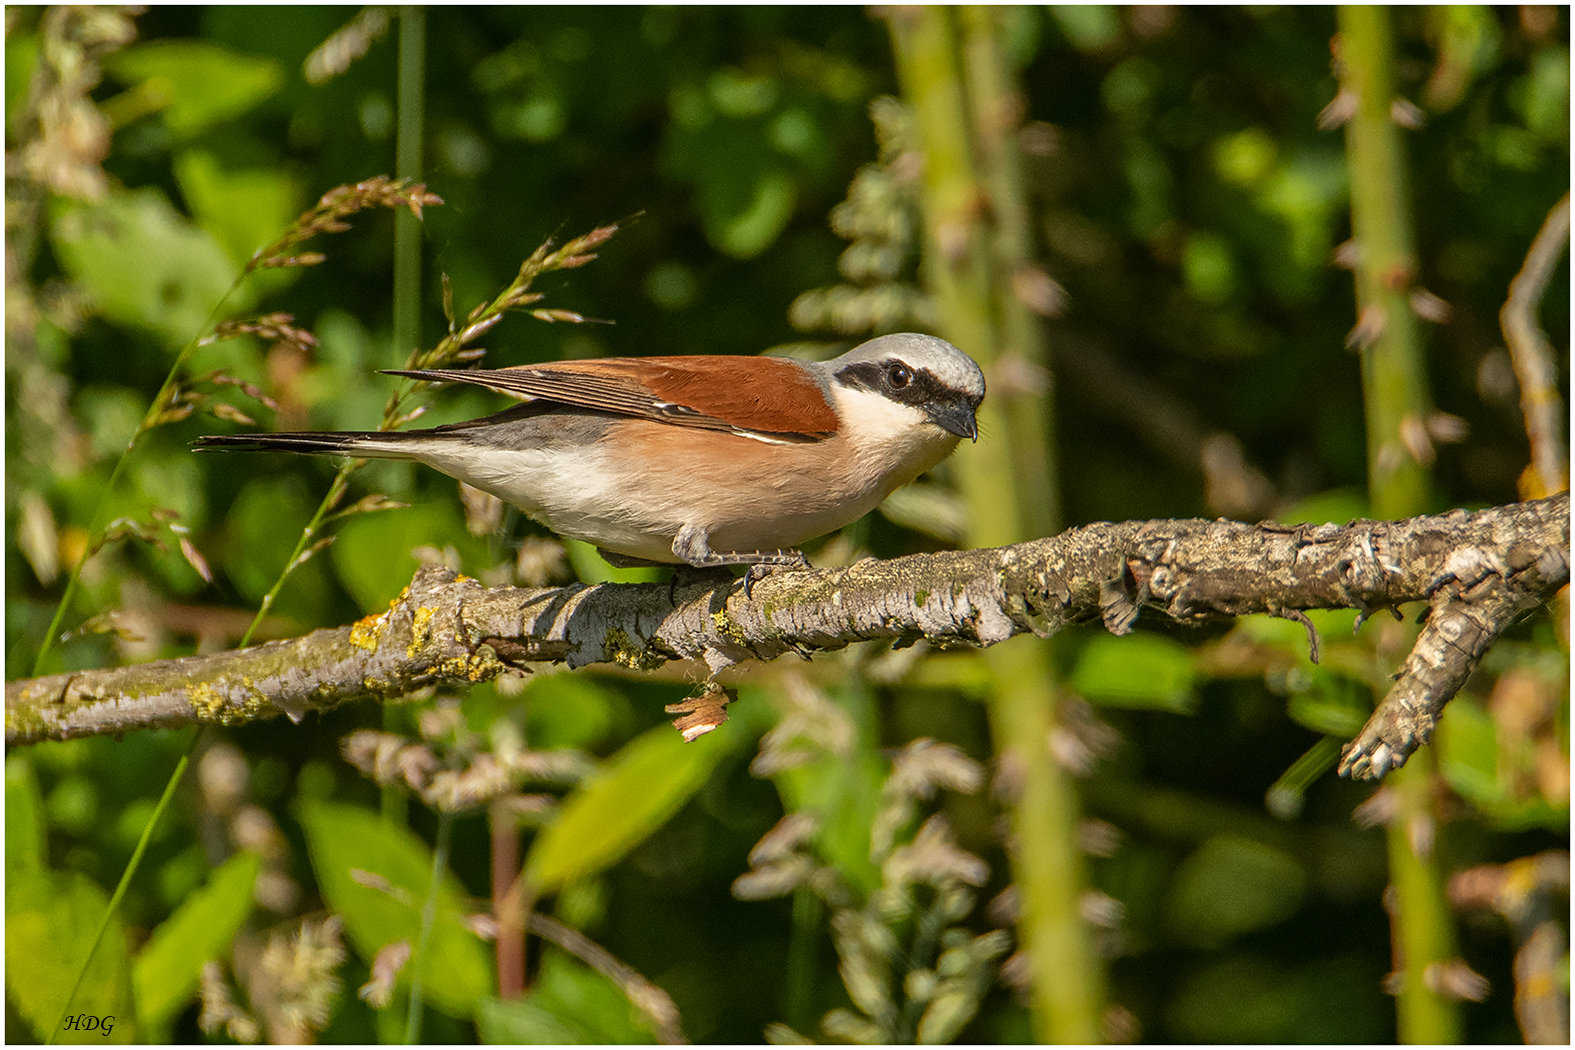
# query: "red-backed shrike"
[702,461]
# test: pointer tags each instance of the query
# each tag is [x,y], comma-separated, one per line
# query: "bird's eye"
[898,376]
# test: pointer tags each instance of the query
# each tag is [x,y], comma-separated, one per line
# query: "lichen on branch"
[1477,570]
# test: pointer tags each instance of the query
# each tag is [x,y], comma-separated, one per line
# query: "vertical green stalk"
[997,106]
[407,165]
[1394,382]
[418,960]
[1004,478]
[1394,388]
[406,339]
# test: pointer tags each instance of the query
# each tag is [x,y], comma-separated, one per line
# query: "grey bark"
[1478,571]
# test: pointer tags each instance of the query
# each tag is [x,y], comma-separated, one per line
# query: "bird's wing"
[754,395]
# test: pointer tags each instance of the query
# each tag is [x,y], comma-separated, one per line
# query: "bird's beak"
[956,417]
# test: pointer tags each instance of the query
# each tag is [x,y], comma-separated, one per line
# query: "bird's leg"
[693,547]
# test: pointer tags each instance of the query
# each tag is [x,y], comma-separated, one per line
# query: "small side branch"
[1479,570]
[1467,614]
[1532,354]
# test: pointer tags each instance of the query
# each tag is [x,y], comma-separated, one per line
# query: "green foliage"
[164,975]
[1139,670]
[143,263]
[1185,208]
[375,875]
[50,918]
[195,85]
[637,790]
[568,1003]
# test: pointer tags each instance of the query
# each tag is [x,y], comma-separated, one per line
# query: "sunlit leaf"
[167,968]
[343,840]
[50,919]
[199,84]
[1139,670]
[141,262]
[636,792]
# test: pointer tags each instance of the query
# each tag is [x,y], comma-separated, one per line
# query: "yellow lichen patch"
[207,703]
[420,629]
[621,649]
[210,704]
[482,665]
[366,632]
[727,628]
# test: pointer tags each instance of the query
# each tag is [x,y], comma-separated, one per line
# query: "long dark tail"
[372,444]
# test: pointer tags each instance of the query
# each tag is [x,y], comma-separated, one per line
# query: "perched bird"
[702,461]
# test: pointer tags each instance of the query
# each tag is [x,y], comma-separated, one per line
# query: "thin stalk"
[149,421]
[1396,400]
[125,882]
[428,919]
[965,270]
[807,916]
[510,946]
[407,165]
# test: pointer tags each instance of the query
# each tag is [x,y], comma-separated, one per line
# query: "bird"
[698,460]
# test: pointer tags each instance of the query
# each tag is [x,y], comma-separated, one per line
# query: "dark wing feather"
[764,395]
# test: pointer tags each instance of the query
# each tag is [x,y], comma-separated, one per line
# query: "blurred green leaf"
[638,789]
[1546,100]
[1336,505]
[263,525]
[1467,742]
[167,968]
[1331,703]
[456,970]
[591,567]
[1206,263]
[50,920]
[568,1003]
[143,263]
[1232,885]
[1138,670]
[25,830]
[373,552]
[244,209]
[1089,27]
[198,84]
[570,710]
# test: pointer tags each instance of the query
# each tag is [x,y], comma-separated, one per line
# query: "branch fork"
[1479,571]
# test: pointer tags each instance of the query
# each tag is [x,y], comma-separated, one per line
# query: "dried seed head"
[1338,112]
[390,959]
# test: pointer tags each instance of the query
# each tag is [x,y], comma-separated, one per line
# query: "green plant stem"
[424,935]
[1395,395]
[148,421]
[1394,381]
[408,165]
[996,108]
[336,492]
[125,882]
[964,272]
[808,913]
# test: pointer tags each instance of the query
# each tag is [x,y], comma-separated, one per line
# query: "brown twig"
[649,998]
[1532,356]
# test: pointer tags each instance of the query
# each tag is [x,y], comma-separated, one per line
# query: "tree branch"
[1532,354]
[1478,570]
